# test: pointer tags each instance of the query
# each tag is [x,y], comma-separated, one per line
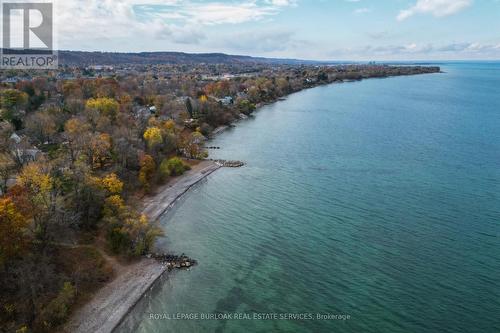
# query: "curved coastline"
[109,306]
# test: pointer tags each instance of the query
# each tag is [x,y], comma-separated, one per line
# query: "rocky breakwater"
[229,164]
[172,261]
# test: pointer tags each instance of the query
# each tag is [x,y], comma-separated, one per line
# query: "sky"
[301,29]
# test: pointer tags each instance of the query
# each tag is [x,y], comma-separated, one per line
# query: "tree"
[126,142]
[58,309]
[170,135]
[35,95]
[169,125]
[128,232]
[189,107]
[282,86]
[114,207]
[7,167]
[112,184]
[173,167]
[141,233]
[6,130]
[245,106]
[99,150]
[77,135]
[37,182]
[13,231]
[147,171]
[106,106]
[13,99]
[41,126]
[12,102]
[71,89]
[43,198]
[86,195]
[153,136]
[190,145]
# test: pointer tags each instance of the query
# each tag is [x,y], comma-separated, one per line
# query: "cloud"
[282,3]
[411,48]
[415,51]
[181,35]
[214,13]
[261,41]
[438,8]
[214,26]
[177,21]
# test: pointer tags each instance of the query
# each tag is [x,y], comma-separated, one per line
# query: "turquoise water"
[376,199]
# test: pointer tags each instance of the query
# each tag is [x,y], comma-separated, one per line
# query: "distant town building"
[100,68]
[10,80]
[228,100]
[16,138]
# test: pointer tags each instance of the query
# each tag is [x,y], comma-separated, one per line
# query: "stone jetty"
[229,164]
[173,261]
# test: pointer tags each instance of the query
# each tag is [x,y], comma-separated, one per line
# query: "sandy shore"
[109,305]
[165,196]
[107,308]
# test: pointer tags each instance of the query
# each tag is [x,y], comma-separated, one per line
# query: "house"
[10,80]
[228,100]
[16,138]
[23,154]
[8,184]
[141,112]
[191,123]
[242,95]
[28,155]
[65,76]
[99,68]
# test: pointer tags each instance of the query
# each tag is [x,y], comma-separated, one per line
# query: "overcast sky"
[307,29]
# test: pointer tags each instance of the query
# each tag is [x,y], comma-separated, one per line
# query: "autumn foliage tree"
[39,187]
[7,167]
[76,132]
[13,231]
[147,171]
[112,184]
[153,136]
[106,106]
[128,232]
[42,126]
[12,102]
[99,150]
[191,145]
[172,167]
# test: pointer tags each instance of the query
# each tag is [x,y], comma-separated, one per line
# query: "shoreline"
[110,305]
[164,198]
[222,128]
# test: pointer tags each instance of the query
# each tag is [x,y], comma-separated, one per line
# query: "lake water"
[378,200]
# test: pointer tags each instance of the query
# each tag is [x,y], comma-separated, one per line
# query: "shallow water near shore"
[376,199]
